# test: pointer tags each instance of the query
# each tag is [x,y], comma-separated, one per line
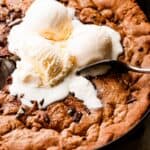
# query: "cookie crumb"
[71,111]
[77,117]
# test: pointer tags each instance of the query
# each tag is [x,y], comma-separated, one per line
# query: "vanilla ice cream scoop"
[52,45]
[51,20]
[89,44]
[53,67]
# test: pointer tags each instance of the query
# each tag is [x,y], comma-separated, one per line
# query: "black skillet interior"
[145,5]
[122,142]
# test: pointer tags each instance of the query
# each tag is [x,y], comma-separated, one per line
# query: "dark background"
[145,5]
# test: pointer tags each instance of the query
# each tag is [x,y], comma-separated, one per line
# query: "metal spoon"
[106,64]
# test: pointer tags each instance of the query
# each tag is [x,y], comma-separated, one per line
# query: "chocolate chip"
[7,92]
[1,110]
[47,119]
[71,111]
[77,117]
[15,96]
[22,95]
[42,102]
[35,105]
[87,110]
[20,112]
[84,138]
[32,101]
[71,94]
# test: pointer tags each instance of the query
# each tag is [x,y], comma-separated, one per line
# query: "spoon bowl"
[104,65]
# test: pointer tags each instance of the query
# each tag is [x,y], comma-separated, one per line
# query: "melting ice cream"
[52,43]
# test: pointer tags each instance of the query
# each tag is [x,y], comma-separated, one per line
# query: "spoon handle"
[119,66]
[137,69]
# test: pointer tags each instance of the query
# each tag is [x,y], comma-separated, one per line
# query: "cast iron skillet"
[125,137]
[145,6]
